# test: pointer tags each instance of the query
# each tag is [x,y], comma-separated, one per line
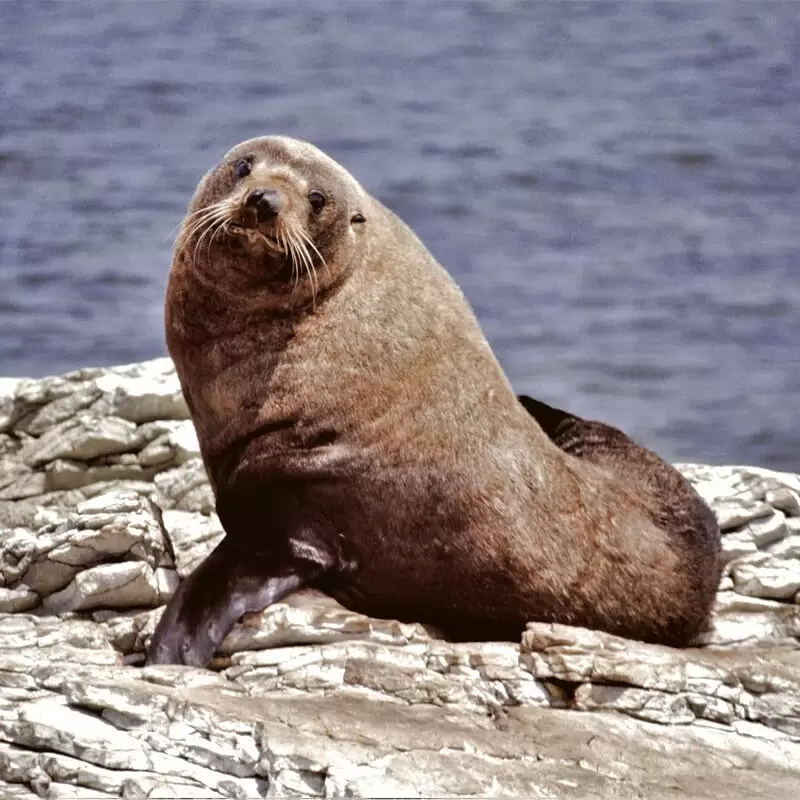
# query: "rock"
[131,584]
[62,474]
[122,729]
[310,617]
[108,527]
[17,547]
[13,601]
[185,488]
[128,630]
[59,410]
[192,536]
[784,499]
[57,640]
[770,576]
[81,438]
[732,512]
[748,621]
[8,387]
[21,482]
[105,505]
[332,746]
[754,535]
[725,488]
[665,685]
[72,775]
[144,392]
[32,393]
[786,548]
[479,676]
[746,483]
[180,437]
[8,446]
[764,531]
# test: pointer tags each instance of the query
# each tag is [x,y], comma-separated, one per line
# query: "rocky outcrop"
[104,507]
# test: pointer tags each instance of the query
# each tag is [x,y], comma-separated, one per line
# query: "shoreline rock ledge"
[104,507]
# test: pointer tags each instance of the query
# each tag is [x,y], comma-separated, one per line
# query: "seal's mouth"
[258,217]
[255,234]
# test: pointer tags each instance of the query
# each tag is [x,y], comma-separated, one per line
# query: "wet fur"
[361,437]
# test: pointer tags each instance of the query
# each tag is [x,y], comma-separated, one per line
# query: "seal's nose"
[266,202]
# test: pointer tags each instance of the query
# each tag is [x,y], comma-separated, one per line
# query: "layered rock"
[104,507]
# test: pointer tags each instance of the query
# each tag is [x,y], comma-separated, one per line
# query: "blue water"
[615,186]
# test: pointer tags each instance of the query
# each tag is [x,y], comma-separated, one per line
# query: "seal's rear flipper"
[582,438]
[549,418]
[568,432]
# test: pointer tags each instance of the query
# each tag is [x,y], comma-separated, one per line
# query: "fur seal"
[362,439]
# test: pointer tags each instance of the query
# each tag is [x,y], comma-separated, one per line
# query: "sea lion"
[361,438]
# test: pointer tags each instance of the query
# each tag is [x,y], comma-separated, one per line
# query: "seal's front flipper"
[228,584]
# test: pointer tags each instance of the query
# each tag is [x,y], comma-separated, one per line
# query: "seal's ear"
[357,217]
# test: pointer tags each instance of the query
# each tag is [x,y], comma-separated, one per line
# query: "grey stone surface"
[105,506]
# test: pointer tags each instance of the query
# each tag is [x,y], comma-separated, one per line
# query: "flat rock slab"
[159,728]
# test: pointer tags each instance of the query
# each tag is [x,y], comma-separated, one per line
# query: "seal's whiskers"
[295,271]
[222,226]
[211,224]
[204,220]
[186,221]
[310,243]
[298,242]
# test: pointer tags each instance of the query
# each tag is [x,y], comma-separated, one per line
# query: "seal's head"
[278,211]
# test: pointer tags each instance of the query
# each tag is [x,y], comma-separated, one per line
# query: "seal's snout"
[266,202]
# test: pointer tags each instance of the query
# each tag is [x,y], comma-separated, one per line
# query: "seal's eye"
[242,169]
[317,200]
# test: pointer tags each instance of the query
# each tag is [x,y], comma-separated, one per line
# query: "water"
[615,186]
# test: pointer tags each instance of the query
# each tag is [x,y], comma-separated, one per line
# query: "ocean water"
[615,186]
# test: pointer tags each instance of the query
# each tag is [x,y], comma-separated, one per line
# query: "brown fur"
[361,437]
